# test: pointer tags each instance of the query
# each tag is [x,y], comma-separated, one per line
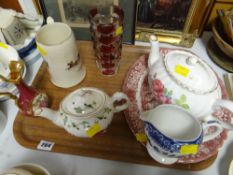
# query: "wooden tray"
[117,143]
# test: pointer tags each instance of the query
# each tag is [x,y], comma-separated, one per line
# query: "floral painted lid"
[84,102]
[190,72]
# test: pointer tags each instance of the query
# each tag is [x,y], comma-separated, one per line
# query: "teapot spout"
[154,52]
[47,113]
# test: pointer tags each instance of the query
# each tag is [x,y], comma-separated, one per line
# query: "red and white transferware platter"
[136,87]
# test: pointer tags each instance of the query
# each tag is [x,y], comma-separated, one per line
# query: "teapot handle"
[118,96]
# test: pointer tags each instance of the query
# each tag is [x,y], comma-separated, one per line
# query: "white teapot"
[184,79]
[85,112]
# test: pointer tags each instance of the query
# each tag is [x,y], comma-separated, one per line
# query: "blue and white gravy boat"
[173,132]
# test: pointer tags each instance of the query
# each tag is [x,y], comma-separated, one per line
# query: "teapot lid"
[190,72]
[84,102]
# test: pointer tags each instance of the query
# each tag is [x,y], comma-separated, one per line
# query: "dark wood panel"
[11,4]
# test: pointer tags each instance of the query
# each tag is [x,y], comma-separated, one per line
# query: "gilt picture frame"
[75,14]
[177,22]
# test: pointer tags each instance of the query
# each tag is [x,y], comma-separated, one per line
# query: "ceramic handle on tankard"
[118,96]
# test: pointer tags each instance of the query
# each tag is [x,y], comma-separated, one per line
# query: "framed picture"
[75,14]
[177,22]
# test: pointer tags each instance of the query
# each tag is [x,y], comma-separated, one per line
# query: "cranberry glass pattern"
[137,88]
[106,26]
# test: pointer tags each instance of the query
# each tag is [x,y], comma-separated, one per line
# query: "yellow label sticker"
[3,45]
[93,130]
[41,50]
[119,30]
[181,70]
[189,149]
[141,137]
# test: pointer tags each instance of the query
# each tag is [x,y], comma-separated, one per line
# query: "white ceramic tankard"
[56,43]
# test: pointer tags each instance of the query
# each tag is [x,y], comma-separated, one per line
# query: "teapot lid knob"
[191,61]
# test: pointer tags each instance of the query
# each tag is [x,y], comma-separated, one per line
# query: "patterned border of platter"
[136,83]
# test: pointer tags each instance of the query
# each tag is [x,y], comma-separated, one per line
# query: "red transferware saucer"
[136,84]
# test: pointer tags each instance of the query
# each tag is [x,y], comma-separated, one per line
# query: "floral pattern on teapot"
[164,95]
[80,109]
[85,124]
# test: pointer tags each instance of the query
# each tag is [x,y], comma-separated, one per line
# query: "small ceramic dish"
[230,171]
[7,54]
[17,171]
[27,169]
